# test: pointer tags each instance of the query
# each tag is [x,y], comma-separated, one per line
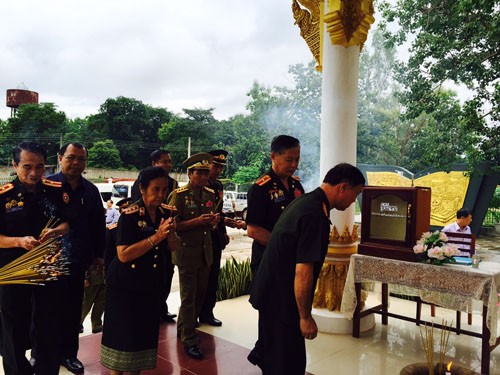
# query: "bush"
[234,279]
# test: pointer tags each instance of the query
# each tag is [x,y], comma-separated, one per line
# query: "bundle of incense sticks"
[44,263]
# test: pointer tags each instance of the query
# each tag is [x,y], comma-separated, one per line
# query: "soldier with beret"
[268,198]
[26,205]
[196,217]
[131,320]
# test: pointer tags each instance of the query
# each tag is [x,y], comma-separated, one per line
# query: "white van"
[235,204]
[115,191]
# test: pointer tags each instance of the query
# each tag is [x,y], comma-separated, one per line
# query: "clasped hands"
[209,219]
[166,227]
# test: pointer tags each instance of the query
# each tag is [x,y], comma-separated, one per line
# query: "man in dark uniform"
[196,217]
[272,192]
[267,199]
[162,158]
[283,288]
[87,237]
[26,205]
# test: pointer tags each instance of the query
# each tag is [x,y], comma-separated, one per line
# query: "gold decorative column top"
[310,21]
[348,21]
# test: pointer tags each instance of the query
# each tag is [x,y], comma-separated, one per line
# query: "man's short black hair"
[63,149]
[344,172]
[34,147]
[156,155]
[283,142]
[463,212]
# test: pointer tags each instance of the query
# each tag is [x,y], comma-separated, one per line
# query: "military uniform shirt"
[218,235]
[196,243]
[24,213]
[146,272]
[267,199]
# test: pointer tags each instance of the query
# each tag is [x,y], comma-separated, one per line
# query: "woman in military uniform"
[134,276]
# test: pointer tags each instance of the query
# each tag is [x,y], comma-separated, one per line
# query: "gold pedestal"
[331,281]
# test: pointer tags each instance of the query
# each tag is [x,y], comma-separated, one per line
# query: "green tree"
[451,41]
[133,127]
[36,122]
[197,124]
[104,154]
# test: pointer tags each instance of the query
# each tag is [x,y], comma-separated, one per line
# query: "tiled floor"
[383,350]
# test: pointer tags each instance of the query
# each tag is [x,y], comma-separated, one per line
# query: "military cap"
[201,160]
[219,156]
[124,203]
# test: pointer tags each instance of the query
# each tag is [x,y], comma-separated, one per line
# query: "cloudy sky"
[166,53]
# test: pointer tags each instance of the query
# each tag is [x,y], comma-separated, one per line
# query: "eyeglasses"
[80,159]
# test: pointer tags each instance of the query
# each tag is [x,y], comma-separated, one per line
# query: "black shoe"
[168,317]
[32,362]
[73,365]
[97,330]
[254,358]
[211,321]
[194,351]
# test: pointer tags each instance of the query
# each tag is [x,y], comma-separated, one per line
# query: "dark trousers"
[213,283]
[22,306]
[167,284]
[283,347]
[72,311]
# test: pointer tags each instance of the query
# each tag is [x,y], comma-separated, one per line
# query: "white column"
[339,111]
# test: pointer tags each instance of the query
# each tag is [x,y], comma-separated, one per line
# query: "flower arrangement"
[433,248]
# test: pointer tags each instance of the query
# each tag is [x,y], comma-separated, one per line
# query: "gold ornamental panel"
[448,191]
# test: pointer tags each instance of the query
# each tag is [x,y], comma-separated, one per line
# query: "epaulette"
[181,189]
[209,190]
[5,188]
[263,180]
[168,207]
[296,178]
[51,183]
[112,226]
[131,209]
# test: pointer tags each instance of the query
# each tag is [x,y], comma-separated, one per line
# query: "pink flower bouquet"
[433,248]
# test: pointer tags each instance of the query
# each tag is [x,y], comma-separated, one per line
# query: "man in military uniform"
[162,159]
[196,217]
[272,192]
[87,237]
[26,205]
[283,288]
[267,199]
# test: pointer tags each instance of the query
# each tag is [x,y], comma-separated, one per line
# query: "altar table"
[450,286]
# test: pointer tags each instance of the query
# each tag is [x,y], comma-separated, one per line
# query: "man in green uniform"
[195,219]
[283,288]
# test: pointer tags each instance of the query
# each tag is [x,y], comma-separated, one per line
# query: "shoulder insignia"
[182,189]
[263,180]
[209,190]
[6,187]
[51,183]
[131,209]
[168,207]
[112,226]
[296,178]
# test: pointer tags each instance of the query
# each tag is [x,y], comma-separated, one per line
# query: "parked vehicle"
[115,191]
[235,204]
